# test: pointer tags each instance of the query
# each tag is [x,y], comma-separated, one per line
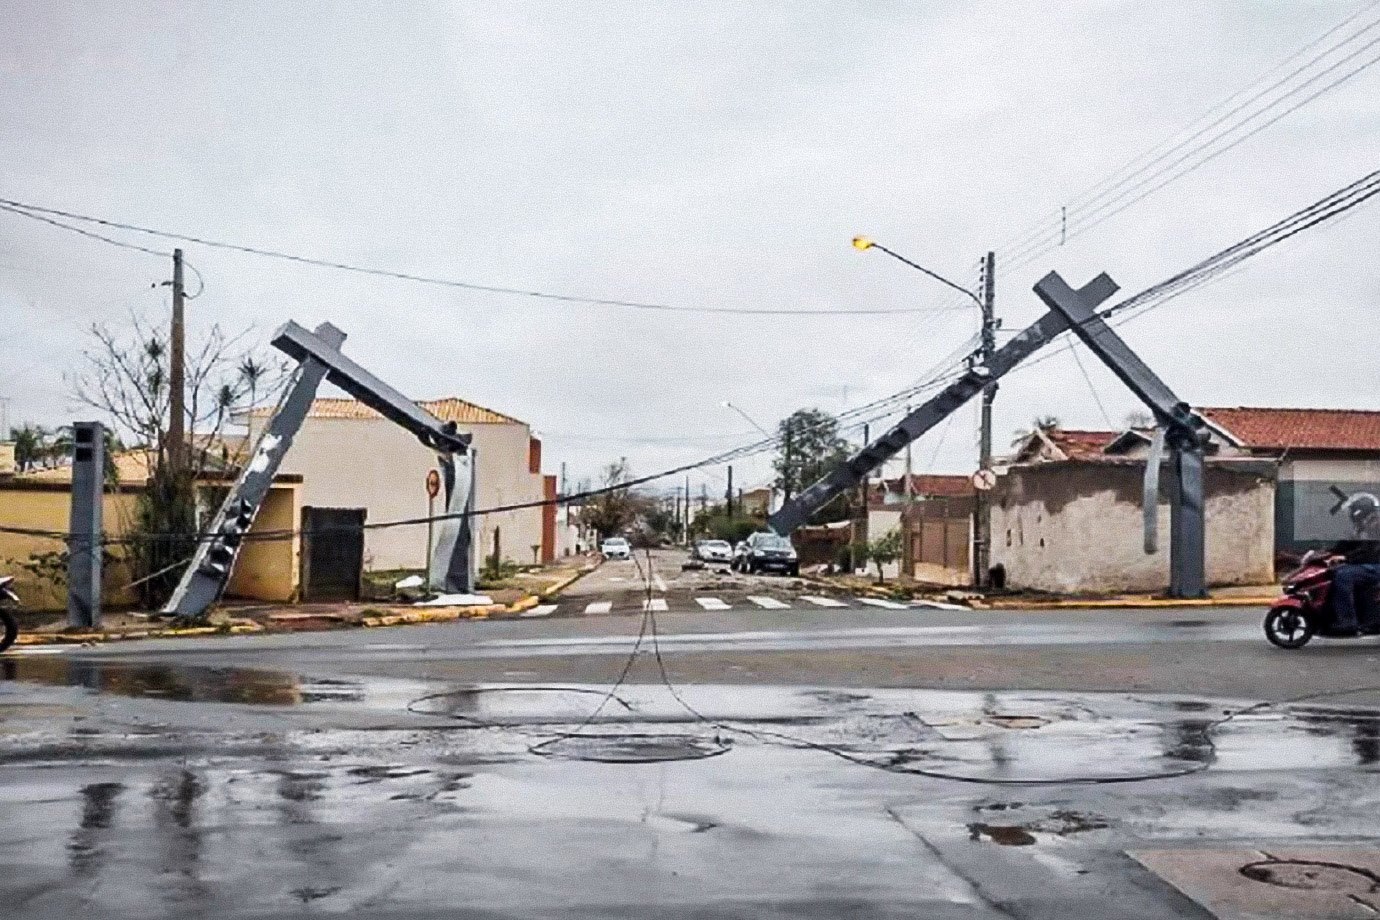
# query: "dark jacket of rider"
[1358,552]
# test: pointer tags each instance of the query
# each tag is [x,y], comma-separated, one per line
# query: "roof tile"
[1300,429]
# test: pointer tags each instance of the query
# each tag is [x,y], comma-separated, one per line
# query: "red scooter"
[9,626]
[1305,610]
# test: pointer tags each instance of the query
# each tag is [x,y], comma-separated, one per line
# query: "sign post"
[433,488]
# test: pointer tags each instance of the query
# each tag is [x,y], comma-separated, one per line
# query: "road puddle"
[179,682]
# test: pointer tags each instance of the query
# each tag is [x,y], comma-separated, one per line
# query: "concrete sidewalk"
[241,619]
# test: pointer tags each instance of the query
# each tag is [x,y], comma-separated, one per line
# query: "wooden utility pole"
[177,409]
[982,513]
[728,492]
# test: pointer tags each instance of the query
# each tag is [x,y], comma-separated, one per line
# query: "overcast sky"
[705,154]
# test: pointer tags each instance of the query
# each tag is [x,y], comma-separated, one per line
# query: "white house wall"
[374,464]
[1078,527]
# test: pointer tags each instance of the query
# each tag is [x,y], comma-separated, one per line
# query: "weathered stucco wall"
[376,465]
[1068,527]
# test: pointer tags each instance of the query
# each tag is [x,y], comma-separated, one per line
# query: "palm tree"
[1040,423]
[30,445]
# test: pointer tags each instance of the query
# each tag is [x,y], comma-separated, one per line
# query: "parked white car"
[714,551]
[616,548]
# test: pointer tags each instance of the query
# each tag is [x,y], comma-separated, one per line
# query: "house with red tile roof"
[1067,511]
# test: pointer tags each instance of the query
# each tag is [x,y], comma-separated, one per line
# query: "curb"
[90,638]
[562,585]
[1133,603]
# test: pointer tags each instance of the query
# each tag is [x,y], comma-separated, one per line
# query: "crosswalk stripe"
[656,605]
[878,602]
[541,610]
[712,603]
[822,601]
[768,603]
[599,607]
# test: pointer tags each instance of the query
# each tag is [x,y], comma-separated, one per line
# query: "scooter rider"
[1356,579]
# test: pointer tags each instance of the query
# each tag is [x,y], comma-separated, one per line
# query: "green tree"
[883,550]
[810,447]
[125,376]
[30,446]
[615,512]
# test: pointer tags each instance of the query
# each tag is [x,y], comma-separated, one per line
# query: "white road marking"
[617,578]
[655,605]
[660,582]
[712,603]
[822,601]
[37,650]
[599,607]
[541,610]
[768,603]
[878,602]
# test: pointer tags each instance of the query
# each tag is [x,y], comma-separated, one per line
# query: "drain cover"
[631,748]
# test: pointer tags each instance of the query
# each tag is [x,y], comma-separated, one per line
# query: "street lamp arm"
[728,405]
[871,244]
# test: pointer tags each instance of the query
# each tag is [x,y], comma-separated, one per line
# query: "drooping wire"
[37,212]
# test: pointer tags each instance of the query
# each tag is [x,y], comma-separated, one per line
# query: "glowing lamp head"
[861,242]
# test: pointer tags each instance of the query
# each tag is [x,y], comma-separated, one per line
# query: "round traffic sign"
[433,483]
[984,480]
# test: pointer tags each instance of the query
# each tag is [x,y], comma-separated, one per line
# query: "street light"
[728,405]
[862,243]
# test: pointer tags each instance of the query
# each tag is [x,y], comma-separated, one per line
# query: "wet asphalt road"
[801,763]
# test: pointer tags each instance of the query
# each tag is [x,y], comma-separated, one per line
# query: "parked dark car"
[765,551]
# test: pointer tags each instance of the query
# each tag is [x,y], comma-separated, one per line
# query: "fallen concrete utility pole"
[1068,309]
[857,468]
[318,353]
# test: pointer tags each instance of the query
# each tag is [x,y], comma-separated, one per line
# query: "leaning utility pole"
[982,511]
[177,436]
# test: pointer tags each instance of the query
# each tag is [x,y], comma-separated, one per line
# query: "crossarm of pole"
[854,471]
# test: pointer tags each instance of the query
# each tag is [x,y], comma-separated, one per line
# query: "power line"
[37,212]
[1109,184]
[87,233]
[1117,189]
[1325,209]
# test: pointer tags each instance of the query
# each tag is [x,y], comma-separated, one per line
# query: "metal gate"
[332,553]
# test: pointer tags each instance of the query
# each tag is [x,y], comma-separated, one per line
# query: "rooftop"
[447,409]
[1259,428]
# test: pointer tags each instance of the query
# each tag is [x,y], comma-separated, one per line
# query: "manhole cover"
[1313,875]
[631,748]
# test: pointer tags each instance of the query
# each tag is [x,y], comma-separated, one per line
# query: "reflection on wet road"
[282,782]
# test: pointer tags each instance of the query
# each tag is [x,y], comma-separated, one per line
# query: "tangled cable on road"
[651,747]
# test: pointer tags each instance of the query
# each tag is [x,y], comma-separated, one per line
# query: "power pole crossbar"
[1184,434]
[855,469]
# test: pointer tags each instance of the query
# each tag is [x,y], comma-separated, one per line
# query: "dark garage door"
[332,553]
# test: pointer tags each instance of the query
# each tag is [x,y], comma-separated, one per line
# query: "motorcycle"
[9,626]
[1305,610]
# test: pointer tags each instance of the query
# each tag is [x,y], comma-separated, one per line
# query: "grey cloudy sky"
[715,154]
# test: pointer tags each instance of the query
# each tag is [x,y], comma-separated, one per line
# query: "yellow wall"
[265,570]
[48,509]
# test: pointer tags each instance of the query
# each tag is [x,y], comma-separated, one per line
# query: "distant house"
[1066,513]
[938,534]
[350,457]
[755,502]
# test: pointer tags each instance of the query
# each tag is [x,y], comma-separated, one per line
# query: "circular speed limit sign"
[433,484]
[984,480]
